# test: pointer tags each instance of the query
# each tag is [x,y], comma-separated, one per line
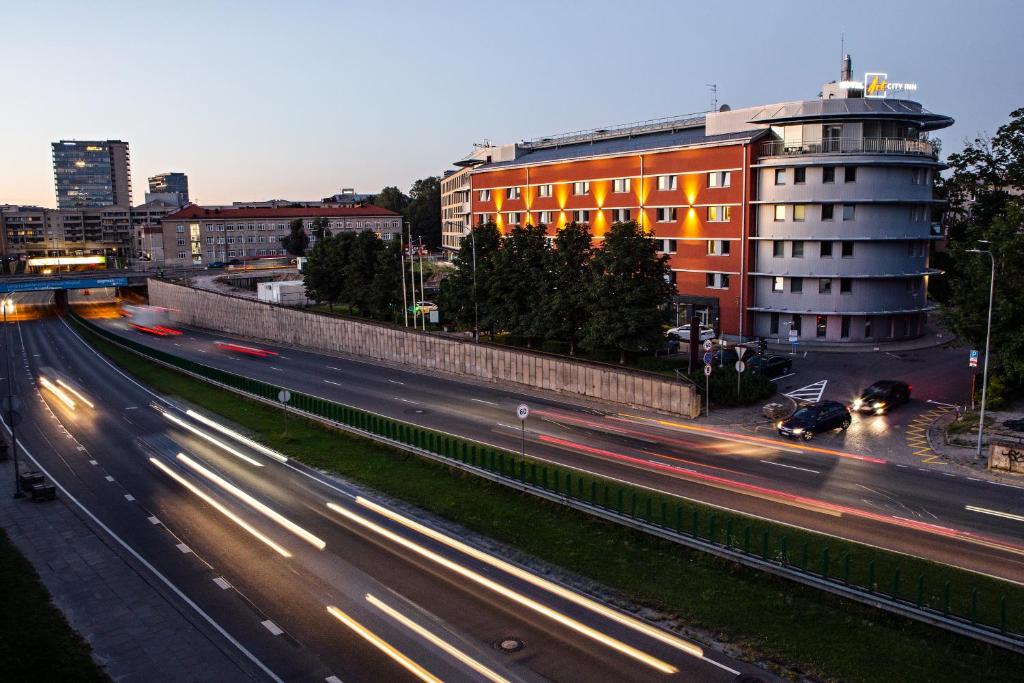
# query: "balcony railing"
[850,146]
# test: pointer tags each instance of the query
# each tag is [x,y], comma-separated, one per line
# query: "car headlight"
[857,403]
[798,430]
[779,425]
[878,404]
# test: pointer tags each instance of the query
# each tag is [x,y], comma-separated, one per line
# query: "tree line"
[358,269]
[610,297]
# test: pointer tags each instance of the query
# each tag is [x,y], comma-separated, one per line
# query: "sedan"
[683,332]
[882,396]
[823,416]
[769,366]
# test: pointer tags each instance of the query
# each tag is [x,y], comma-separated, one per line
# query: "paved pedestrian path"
[136,634]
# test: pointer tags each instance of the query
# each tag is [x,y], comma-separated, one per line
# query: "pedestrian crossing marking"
[812,393]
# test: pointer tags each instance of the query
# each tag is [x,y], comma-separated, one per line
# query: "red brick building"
[690,190]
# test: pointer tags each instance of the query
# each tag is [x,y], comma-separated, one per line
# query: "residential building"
[456,217]
[169,187]
[813,216]
[91,173]
[32,231]
[196,234]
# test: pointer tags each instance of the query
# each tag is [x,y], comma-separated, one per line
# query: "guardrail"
[984,616]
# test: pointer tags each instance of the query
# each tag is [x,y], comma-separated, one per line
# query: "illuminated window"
[581,188]
[581,216]
[668,182]
[512,218]
[719,178]
[780,212]
[485,195]
[619,215]
[666,214]
[719,214]
[512,193]
[545,217]
[544,190]
[620,185]
[716,280]
[799,212]
[718,247]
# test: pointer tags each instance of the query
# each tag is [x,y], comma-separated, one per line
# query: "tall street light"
[6,304]
[988,337]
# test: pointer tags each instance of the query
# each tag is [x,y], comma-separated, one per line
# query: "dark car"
[215,264]
[823,416]
[769,366]
[882,396]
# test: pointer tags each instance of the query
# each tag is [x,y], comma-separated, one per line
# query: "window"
[799,212]
[512,193]
[667,214]
[799,176]
[780,176]
[209,240]
[820,325]
[619,215]
[845,285]
[844,330]
[867,325]
[667,182]
[179,228]
[544,190]
[545,217]
[182,254]
[780,212]
[796,285]
[485,195]
[181,241]
[848,211]
[797,324]
[778,248]
[773,324]
[485,218]
[716,280]
[719,178]
[798,249]
[850,175]
[825,285]
[826,250]
[581,187]
[718,248]
[828,174]
[512,218]
[667,246]
[847,249]
[778,282]
[827,211]
[620,185]
[581,216]
[917,176]
[719,214]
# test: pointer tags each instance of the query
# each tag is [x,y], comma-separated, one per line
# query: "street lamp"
[6,304]
[988,337]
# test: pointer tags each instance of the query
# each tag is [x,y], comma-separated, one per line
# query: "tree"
[321,275]
[628,292]
[424,210]
[386,288]
[319,226]
[567,305]
[522,287]
[360,267]
[296,242]
[986,202]
[458,293]
[391,198]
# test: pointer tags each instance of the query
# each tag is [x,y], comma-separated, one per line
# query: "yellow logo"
[877,86]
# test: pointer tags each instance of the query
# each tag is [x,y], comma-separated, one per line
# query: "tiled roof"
[193,212]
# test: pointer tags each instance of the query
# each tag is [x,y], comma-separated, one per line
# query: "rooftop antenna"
[713,87]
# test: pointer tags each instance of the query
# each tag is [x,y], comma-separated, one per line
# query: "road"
[311,581]
[962,521]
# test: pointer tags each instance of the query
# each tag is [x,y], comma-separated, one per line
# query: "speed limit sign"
[707,370]
[522,411]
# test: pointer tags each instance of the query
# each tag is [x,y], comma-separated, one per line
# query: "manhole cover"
[510,644]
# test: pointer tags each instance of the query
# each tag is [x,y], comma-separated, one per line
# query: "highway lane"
[375,569]
[925,513]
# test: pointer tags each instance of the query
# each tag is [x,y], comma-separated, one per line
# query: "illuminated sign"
[66,261]
[877,85]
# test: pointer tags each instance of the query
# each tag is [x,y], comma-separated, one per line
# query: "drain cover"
[510,644]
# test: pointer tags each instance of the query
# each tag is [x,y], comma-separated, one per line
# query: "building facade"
[812,217]
[171,183]
[32,232]
[91,173]
[197,235]
[456,208]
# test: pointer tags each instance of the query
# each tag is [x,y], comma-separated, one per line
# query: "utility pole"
[405,300]
[412,278]
[476,307]
[988,338]
[423,290]
[6,303]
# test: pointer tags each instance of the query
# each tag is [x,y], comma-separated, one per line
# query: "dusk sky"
[259,100]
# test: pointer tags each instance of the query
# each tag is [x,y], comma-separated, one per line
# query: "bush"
[753,387]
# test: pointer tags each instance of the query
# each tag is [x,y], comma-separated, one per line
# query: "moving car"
[769,366]
[882,396]
[683,332]
[823,416]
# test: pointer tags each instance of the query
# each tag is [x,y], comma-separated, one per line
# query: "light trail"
[382,645]
[437,642]
[216,442]
[523,600]
[220,508]
[236,436]
[76,393]
[252,502]
[55,390]
[537,581]
[995,513]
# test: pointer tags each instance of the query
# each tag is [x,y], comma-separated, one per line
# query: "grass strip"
[36,643]
[794,628]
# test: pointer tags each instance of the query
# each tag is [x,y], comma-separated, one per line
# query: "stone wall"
[424,351]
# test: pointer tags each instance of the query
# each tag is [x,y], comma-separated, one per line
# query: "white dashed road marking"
[792,467]
[129,497]
[395,381]
[272,627]
[337,384]
[153,520]
[109,478]
[480,400]
[995,513]
[184,548]
[405,400]
[222,583]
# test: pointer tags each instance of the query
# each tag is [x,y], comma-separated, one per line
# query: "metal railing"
[850,146]
[853,571]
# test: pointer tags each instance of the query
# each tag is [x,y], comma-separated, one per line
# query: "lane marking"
[129,497]
[153,520]
[792,467]
[811,392]
[183,548]
[109,478]
[480,400]
[995,513]
[395,381]
[332,679]
[337,384]
[272,627]
[93,462]
[222,583]
[406,400]
[331,367]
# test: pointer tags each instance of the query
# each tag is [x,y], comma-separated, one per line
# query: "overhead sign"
[973,362]
[522,411]
[876,85]
[43,284]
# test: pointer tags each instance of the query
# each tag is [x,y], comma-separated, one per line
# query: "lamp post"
[476,307]
[988,337]
[5,304]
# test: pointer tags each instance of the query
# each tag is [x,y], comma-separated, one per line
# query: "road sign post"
[972,361]
[707,389]
[522,412]
[740,367]
[284,396]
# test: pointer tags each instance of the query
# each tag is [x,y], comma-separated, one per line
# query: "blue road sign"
[707,358]
[973,362]
[42,285]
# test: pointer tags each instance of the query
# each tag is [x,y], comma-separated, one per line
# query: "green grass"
[36,643]
[797,630]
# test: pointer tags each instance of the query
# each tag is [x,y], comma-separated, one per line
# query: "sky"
[258,100]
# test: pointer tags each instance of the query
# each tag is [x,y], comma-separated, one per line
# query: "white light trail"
[76,393]
[382,645]
[216,442]
[64,398]
[269,452]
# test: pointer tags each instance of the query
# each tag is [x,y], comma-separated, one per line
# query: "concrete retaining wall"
[424,351]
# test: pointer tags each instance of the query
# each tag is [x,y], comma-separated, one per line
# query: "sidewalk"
[134,632]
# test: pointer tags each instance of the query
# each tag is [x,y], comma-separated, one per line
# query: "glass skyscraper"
[91,173]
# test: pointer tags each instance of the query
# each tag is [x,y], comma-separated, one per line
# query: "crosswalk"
[811,393]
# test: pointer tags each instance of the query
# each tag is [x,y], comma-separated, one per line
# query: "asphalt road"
[962,521]
[311,581]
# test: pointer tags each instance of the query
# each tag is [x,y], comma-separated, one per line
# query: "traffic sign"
[708,358]
[522,411]
[740,366]
[793,336]
[284,396]
[707,370]
[708,345]
[973,362]
[740,350]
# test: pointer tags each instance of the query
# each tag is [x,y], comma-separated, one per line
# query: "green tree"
[318,228]
[321,274]
[567,304]
[296,242]
[386,288]
[424,210]
[391,198]
[629,292]
[522,286]
[458,293]
[360,267]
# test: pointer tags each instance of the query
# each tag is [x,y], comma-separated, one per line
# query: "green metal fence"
[877,572]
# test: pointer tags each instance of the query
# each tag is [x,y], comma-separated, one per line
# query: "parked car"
[769,366]
[882,396]
[215,264]
[423,307]
[823,416]
[683,332]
